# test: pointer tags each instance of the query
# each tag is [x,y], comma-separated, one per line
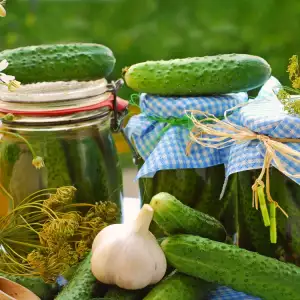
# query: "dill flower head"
[66,194]
[282,95]
[37,260]
[57,230]
[293,68]
[51,262]
[63,196]
[82,248]
[296,83]
[107,211]
[291,106]
[294,107]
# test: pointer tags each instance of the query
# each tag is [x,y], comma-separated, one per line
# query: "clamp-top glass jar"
[69,125]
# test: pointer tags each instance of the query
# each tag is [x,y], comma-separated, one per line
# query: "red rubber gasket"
[121,105]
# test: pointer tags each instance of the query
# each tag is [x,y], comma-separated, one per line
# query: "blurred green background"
[139,30]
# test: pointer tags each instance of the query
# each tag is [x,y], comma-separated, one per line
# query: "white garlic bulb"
[128,255]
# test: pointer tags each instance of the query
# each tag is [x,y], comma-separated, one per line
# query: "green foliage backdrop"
[138,30]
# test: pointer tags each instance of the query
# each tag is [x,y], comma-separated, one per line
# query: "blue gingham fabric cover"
[168,151]
[225,293]
[265,115]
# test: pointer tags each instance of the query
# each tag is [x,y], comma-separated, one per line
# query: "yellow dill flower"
[293,67]
[282,95]
[52,262]
[71,215]
[296,83]
[294,107]
[66,194]
[57,230]
[37,261]
[82,248]
[52,202]
[63,196]
[90,228]
[108,211]
[66,254]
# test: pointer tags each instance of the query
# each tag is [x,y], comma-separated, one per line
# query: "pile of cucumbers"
[200,258]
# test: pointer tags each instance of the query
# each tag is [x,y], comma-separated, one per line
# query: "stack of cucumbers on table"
[198,253]
[199,259]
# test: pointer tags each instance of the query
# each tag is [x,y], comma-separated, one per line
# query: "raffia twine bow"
[215,133]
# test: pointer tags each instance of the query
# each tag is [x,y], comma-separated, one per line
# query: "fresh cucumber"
[59,62]
[234,267]
[116,293]
[218,74]
[36,285]
[183,184]
[50,148]
[178,286]
[287,192]
[173,217]
[88,172]
[211,182]
[81,285]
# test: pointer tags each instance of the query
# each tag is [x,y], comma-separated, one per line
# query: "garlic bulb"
[128,255]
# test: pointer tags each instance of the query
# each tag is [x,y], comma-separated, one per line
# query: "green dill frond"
[46,234]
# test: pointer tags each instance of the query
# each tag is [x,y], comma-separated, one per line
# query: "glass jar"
[198,188]
[253,235]
[68,124]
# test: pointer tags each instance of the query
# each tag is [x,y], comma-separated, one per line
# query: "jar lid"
[58,98]
[45,92]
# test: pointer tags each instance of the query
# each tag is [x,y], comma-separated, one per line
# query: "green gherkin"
[220,74]
[59,62]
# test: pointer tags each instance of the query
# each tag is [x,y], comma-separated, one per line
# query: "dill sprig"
[47,234]
[291,104]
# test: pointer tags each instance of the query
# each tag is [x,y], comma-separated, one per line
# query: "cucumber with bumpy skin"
[220,74]
[178,286]
[80,287]
[234,267]
[183,184]
[173,217]
[116,293]
[59,62]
